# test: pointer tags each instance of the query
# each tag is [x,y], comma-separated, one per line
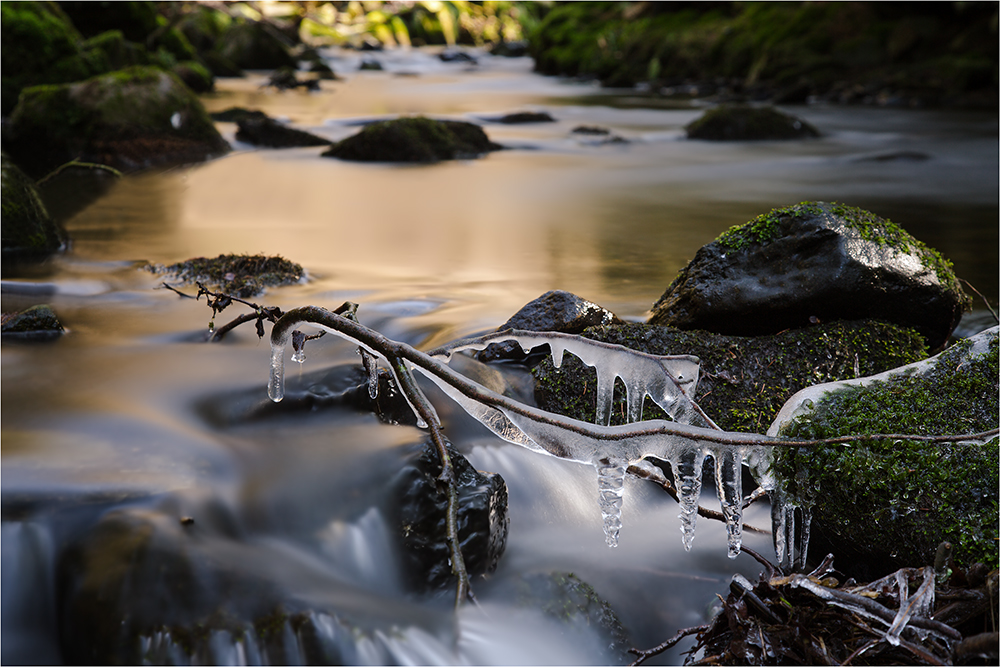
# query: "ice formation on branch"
[683,443]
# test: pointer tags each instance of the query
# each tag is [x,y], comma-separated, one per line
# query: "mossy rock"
[888,504]
[195,76]
[416,139]
[128,119]
[740,122]
[253,45]
[269,132]
[28,231]
[744,381]
[36,323]
[814,261]
[39,45]
[242,276]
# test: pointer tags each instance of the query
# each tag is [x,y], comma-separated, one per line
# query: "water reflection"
[431,253]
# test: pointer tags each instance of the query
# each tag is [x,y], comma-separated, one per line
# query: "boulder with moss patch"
[242,276]
[128,119]
[744,381]
[254,45]
[29,233]
[884,505]
[36,323]
[814,260]
[414,140]
[741,122]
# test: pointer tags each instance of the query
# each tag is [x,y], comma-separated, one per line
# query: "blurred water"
[108,420]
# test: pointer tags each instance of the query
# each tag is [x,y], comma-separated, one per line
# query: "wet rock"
[129,119]
[269,132]
[738,122]
[243,276]
[506,49]
[144,585]
[419,511]
[556,310]
[744,381]
[39,45]
[814,261]
[236,114]
[896,156]
[882,505]
[284,78]
[36,323]
[591,130]
[323,70]
[195,76]
[457,57]
[416,139]
[254,45]
[28,231]
[522,117]
[370,64]
[219,65]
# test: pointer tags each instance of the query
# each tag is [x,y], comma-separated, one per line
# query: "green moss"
[744,381]
[28,231]
[766,226]
[911,495]
[237,275]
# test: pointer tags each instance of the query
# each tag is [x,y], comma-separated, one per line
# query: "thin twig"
[83,165]
[992,312]
[644,655]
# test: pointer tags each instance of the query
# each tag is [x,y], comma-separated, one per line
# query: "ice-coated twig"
[683,445]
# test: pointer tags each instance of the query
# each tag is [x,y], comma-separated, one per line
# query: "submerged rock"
[883,505]
[130,119]
[35,323]
[522,117]
[556,310]
[284,78]
[28,231]
[744,381]
[236,114]
[416,139]
[420,508]
[739,122]
[243,276]
[814,261]
[272,134]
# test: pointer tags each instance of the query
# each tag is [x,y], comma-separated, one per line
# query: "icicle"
[276,381]
[611,486]
[687,481]
[605,399]
[729,483]
[371,366]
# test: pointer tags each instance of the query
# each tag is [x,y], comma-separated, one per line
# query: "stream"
[125,426]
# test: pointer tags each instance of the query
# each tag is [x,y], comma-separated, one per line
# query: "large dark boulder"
[414,140]
[419,508]
[39,45]
[814,261]
[743,381]
[741,122]
[883,505]
[556,310]
[254,45]
[29,233]
[129,119]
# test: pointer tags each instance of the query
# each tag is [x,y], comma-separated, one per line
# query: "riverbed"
[117,424]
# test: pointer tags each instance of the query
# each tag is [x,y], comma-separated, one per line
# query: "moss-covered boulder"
[28,231]
[254,45]
[195,76]
[35,323]
[128,119]
[243,276]
[744,381]
[414,140]
[889,504]
[814,261]
[38,44]
[742,122]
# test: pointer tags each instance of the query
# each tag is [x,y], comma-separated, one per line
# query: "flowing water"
[122,423]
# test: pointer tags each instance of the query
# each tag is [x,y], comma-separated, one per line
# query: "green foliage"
[912,495]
